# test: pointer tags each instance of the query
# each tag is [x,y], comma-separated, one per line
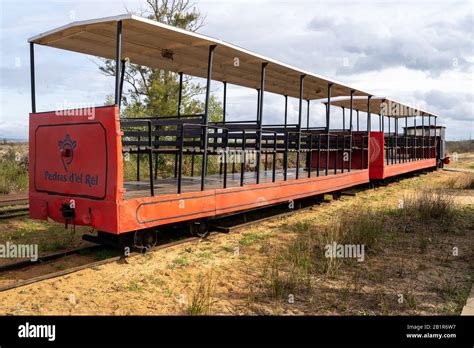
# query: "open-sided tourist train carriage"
[392,152]
[77,162]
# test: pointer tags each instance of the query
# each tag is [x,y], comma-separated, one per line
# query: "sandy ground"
[230,266]
[462,160]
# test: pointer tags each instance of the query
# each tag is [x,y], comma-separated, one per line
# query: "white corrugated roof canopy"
[380,105]
[156,45]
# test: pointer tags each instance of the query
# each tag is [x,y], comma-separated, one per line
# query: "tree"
[154,92]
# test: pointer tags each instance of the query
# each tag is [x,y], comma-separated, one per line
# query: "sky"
[417,52]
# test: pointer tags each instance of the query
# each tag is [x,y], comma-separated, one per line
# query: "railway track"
[22,265]
[222,225]
[45,258]
[15,205]
[13,212]
[13,199]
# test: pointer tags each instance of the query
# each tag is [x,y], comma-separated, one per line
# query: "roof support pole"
[307,115]
[415,155]
[180,92]
[357,112]
[328,122]
[397,153]
[258,121]
[389,145]
[343,118]
[405,159]
[310,147]
[180,97]
[422,136]
[122,76]
[435,139]
[350,129]
[258,105]
[118,56]
[224,105]
[382,109]
[300,113]
[369,126]
[429,136]
[206,115]
[285,153]
[32,77]
[260,118]
[224,102]
[343,140]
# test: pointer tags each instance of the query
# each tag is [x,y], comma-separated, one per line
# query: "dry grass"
[292,270]
[423,205]
[464,181]
[202,297]
[298,269]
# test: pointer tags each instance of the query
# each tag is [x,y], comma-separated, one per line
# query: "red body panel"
[378,167]
[152,211]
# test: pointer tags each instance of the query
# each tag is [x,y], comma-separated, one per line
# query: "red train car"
[392,152]
[77,157]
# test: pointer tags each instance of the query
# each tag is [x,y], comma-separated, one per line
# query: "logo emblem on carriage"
[67,147]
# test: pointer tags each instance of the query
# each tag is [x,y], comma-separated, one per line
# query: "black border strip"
[106,161]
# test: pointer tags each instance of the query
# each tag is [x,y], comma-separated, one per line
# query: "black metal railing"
[187,136]
[400,148]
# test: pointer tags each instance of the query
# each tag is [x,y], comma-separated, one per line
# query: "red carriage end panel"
[76,155]
[376,155]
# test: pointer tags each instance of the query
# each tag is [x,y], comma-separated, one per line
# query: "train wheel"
[145,239]
[199,228]
[336,195]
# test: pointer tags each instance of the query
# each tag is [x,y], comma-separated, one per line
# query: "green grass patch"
[134,286]
[201,300]
[250,238]
[181,261]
